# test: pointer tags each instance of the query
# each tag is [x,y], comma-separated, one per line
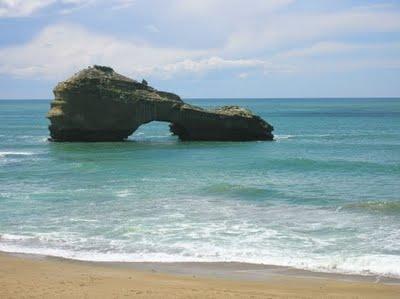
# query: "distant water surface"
[325,196]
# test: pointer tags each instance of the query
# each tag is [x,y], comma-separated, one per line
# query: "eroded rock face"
[98,104]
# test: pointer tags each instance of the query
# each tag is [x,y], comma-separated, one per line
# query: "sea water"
[324,196]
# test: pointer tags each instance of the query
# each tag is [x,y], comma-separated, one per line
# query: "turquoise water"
[324,196]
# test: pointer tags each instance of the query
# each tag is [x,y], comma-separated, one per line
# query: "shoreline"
[214,269]
[43,276]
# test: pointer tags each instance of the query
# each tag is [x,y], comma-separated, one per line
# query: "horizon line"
[237,98]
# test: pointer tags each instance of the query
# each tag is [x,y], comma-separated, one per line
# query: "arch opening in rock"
[153,131]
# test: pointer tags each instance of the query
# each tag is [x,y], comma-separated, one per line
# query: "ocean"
[324,196]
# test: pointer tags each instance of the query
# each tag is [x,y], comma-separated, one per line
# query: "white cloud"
[351,64]
[180,8]
[243,75]
[327,48]
[328,57]
[290,29]
[215,63]
[152,28]
[26,8]
[122,4]
[282,41]
[76,2]
[225,8]
[60,50]
[22,8]
[63,49]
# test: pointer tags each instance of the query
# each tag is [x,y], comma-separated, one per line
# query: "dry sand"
[28,277]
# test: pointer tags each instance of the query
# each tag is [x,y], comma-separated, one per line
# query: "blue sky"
[206,48]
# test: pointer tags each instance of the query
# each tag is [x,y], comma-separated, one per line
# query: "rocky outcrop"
[98,104]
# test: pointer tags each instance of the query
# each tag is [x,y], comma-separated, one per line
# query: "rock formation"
[98,104]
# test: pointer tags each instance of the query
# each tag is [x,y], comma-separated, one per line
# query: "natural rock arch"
[98,104]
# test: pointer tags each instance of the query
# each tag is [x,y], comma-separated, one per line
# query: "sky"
[205,48]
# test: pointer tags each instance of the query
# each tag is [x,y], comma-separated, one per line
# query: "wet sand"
[27,276]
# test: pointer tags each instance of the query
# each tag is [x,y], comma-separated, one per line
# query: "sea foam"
[366,265]
[15,154]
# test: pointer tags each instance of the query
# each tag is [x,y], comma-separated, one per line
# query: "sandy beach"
[199,149]
[24,276]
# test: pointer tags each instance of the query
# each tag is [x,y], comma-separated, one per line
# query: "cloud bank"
[169,39]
